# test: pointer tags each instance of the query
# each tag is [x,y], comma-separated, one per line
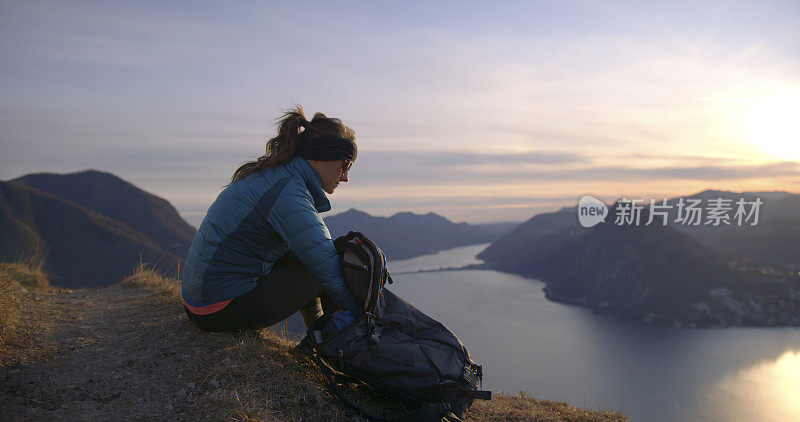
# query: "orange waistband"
[208,309]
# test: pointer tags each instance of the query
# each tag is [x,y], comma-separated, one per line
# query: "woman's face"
[331,173]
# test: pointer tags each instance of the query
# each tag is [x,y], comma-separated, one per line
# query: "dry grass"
[15,277]
[21,325]
[147,278]
[27,272]
[262,377]
[9,307]
[522,408]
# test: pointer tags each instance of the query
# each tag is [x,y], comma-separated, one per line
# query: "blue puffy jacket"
[254,222]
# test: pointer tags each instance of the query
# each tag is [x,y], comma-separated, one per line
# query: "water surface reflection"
[567,353]
[766,391]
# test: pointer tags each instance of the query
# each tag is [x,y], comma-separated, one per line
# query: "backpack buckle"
[375,334]
[469,375]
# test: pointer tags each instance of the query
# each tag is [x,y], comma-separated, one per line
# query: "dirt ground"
[121,353]
[106,354]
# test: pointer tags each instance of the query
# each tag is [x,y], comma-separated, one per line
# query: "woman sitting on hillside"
[263,252]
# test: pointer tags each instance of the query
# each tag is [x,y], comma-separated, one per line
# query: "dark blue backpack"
[394,348]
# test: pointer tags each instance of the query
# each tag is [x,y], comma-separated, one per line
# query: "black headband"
[325,149]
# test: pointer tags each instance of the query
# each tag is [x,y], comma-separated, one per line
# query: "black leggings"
[288,287]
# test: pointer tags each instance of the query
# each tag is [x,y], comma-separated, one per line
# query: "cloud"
[434,158]
[490,102]
[465,169]
[104,35]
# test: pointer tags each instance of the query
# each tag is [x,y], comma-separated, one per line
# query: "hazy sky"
[477,111]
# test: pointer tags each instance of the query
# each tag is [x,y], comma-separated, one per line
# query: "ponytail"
[280,149]
[283,147]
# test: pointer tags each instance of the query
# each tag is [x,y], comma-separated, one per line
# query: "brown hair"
[281,148]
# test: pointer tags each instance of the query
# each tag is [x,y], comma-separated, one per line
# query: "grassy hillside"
[298,388]
[686,275]
[16,279]
[128,352]
[9,306]
[119,200]
[82,248]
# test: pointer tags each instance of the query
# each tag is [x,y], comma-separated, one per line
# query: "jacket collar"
[300,166]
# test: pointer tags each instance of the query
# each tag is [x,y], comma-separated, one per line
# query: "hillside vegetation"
[17,279]
[127,351]
[81,247]
[94,227]
[113,197]
[695,276]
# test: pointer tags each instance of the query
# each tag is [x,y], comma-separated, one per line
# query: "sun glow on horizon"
[773,124]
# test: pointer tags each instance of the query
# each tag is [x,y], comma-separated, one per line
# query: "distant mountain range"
[685,274]
[82,247]
[94,228]
[406,235]
[119,200]
[775,240]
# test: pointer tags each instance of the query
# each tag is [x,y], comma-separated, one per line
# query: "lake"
[567,353]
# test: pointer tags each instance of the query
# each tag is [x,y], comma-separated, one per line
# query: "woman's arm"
[294,218]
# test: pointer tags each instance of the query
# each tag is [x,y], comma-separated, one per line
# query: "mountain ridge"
[753,268]
[81,247]
[112,196]
[406,234]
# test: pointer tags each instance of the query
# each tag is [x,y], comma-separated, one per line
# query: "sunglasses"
[346,166]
